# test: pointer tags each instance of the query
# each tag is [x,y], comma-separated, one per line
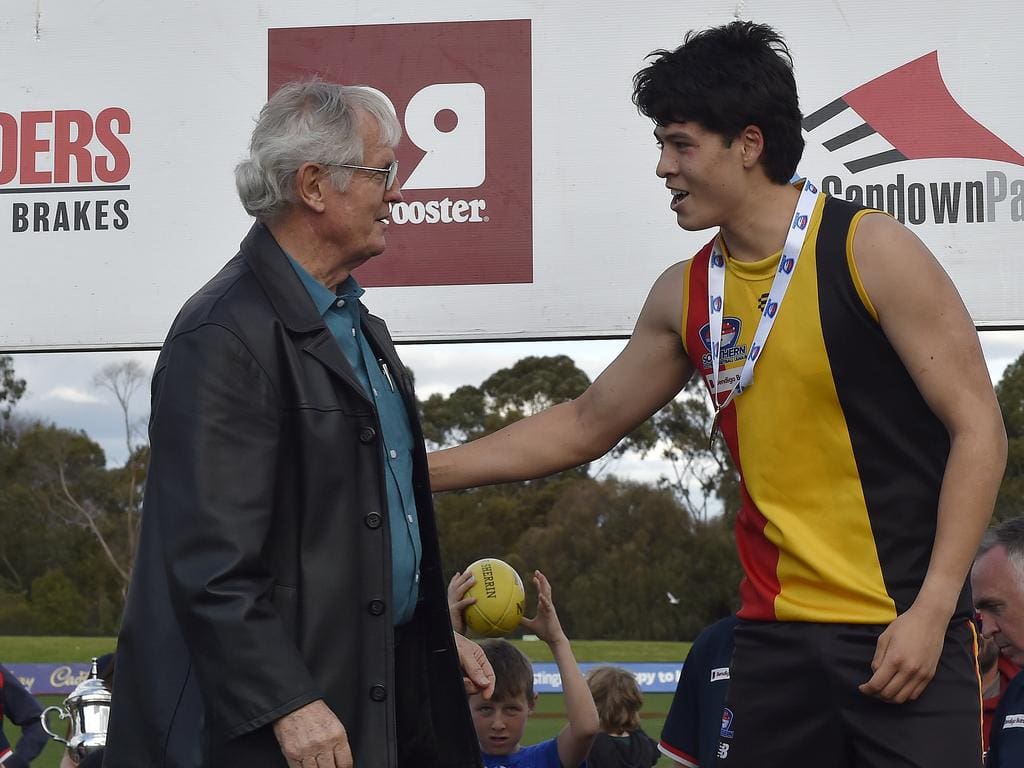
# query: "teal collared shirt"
[341,313]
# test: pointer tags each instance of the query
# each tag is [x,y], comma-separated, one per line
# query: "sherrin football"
[500,598]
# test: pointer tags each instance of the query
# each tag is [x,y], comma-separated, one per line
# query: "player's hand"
[906,656]
[457,600]
[545,624]
[477,673]
[313,737]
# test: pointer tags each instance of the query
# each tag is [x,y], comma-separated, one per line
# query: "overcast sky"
[61,389]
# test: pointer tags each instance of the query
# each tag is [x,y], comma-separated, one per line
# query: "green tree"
[56,604]
[703,474]
[123,380]
[629,562]
[1010,392]
[11,387]
[59,511]
[615,551]
[508,395]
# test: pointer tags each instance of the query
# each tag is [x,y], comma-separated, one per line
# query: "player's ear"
[751,141]
[533,701]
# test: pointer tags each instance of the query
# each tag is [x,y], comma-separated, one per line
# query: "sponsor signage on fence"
[42,679]
[531,206]
[652,677]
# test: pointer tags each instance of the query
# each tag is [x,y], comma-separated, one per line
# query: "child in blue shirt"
[501,719]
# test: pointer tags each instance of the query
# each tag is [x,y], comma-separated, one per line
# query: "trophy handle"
[46,726]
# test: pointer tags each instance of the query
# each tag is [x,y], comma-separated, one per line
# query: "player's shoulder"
[672,276]
[1014,693]
[1008,727]
[879,234]
[718,633]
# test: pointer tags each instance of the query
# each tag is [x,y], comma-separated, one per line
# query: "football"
[500,598]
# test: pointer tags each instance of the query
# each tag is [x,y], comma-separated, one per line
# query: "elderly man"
[287,605]
[997,580]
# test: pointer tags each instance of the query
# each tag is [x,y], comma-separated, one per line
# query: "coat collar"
[269,264]
[299,314]
[293,305]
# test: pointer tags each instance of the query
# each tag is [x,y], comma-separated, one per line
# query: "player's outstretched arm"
[648,373]
[575,739]
[927,324]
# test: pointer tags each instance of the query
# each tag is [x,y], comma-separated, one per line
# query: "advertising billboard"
[531,207]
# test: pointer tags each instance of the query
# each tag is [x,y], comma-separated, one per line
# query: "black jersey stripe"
[900,447]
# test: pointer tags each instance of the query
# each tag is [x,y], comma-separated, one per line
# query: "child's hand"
[457,602]
[545,624]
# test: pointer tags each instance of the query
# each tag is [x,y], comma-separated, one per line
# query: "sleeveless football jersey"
[841,459]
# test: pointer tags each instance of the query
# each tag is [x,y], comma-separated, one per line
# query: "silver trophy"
[87,709]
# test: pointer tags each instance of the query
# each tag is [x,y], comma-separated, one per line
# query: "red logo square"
[463,93]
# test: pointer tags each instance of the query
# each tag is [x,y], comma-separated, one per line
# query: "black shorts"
[793,701]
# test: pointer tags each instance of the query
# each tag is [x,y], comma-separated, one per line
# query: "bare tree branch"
[89,516]
[123,381]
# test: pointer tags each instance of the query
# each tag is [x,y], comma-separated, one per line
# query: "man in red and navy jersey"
[21,708]
[852,393]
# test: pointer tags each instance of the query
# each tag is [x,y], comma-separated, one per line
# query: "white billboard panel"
[532,209]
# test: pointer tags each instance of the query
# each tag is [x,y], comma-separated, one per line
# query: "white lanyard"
[716,299]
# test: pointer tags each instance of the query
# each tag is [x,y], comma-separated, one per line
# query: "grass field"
[547,721]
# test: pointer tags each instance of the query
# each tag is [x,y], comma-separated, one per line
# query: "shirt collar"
[323,298]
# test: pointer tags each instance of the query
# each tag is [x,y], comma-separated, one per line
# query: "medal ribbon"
[716,298]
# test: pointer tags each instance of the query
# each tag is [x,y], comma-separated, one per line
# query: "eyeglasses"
[390,173]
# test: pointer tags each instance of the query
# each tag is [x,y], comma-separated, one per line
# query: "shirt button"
[372,520]
[376,607]
[340,303]
[393,453]
[417,578]
[366,434]
[409,518]
[378,693]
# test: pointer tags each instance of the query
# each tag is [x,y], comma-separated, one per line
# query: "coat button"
[378,693]
[366,434]
[376,607]
[372,520]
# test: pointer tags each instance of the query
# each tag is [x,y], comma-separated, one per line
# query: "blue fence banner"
[653,677]
[41,679]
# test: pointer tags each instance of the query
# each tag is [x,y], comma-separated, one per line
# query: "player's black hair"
[513,673]
[726,78]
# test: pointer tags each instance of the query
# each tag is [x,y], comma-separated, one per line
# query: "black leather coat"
[263,575]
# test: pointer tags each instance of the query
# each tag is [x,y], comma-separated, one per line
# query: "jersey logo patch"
[1014,721]
[731,350]
[722,673]
[727,732]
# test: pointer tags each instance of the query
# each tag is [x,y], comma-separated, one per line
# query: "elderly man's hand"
[477,673]
[313,737]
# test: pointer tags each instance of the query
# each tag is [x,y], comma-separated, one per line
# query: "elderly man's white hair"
[307,122]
